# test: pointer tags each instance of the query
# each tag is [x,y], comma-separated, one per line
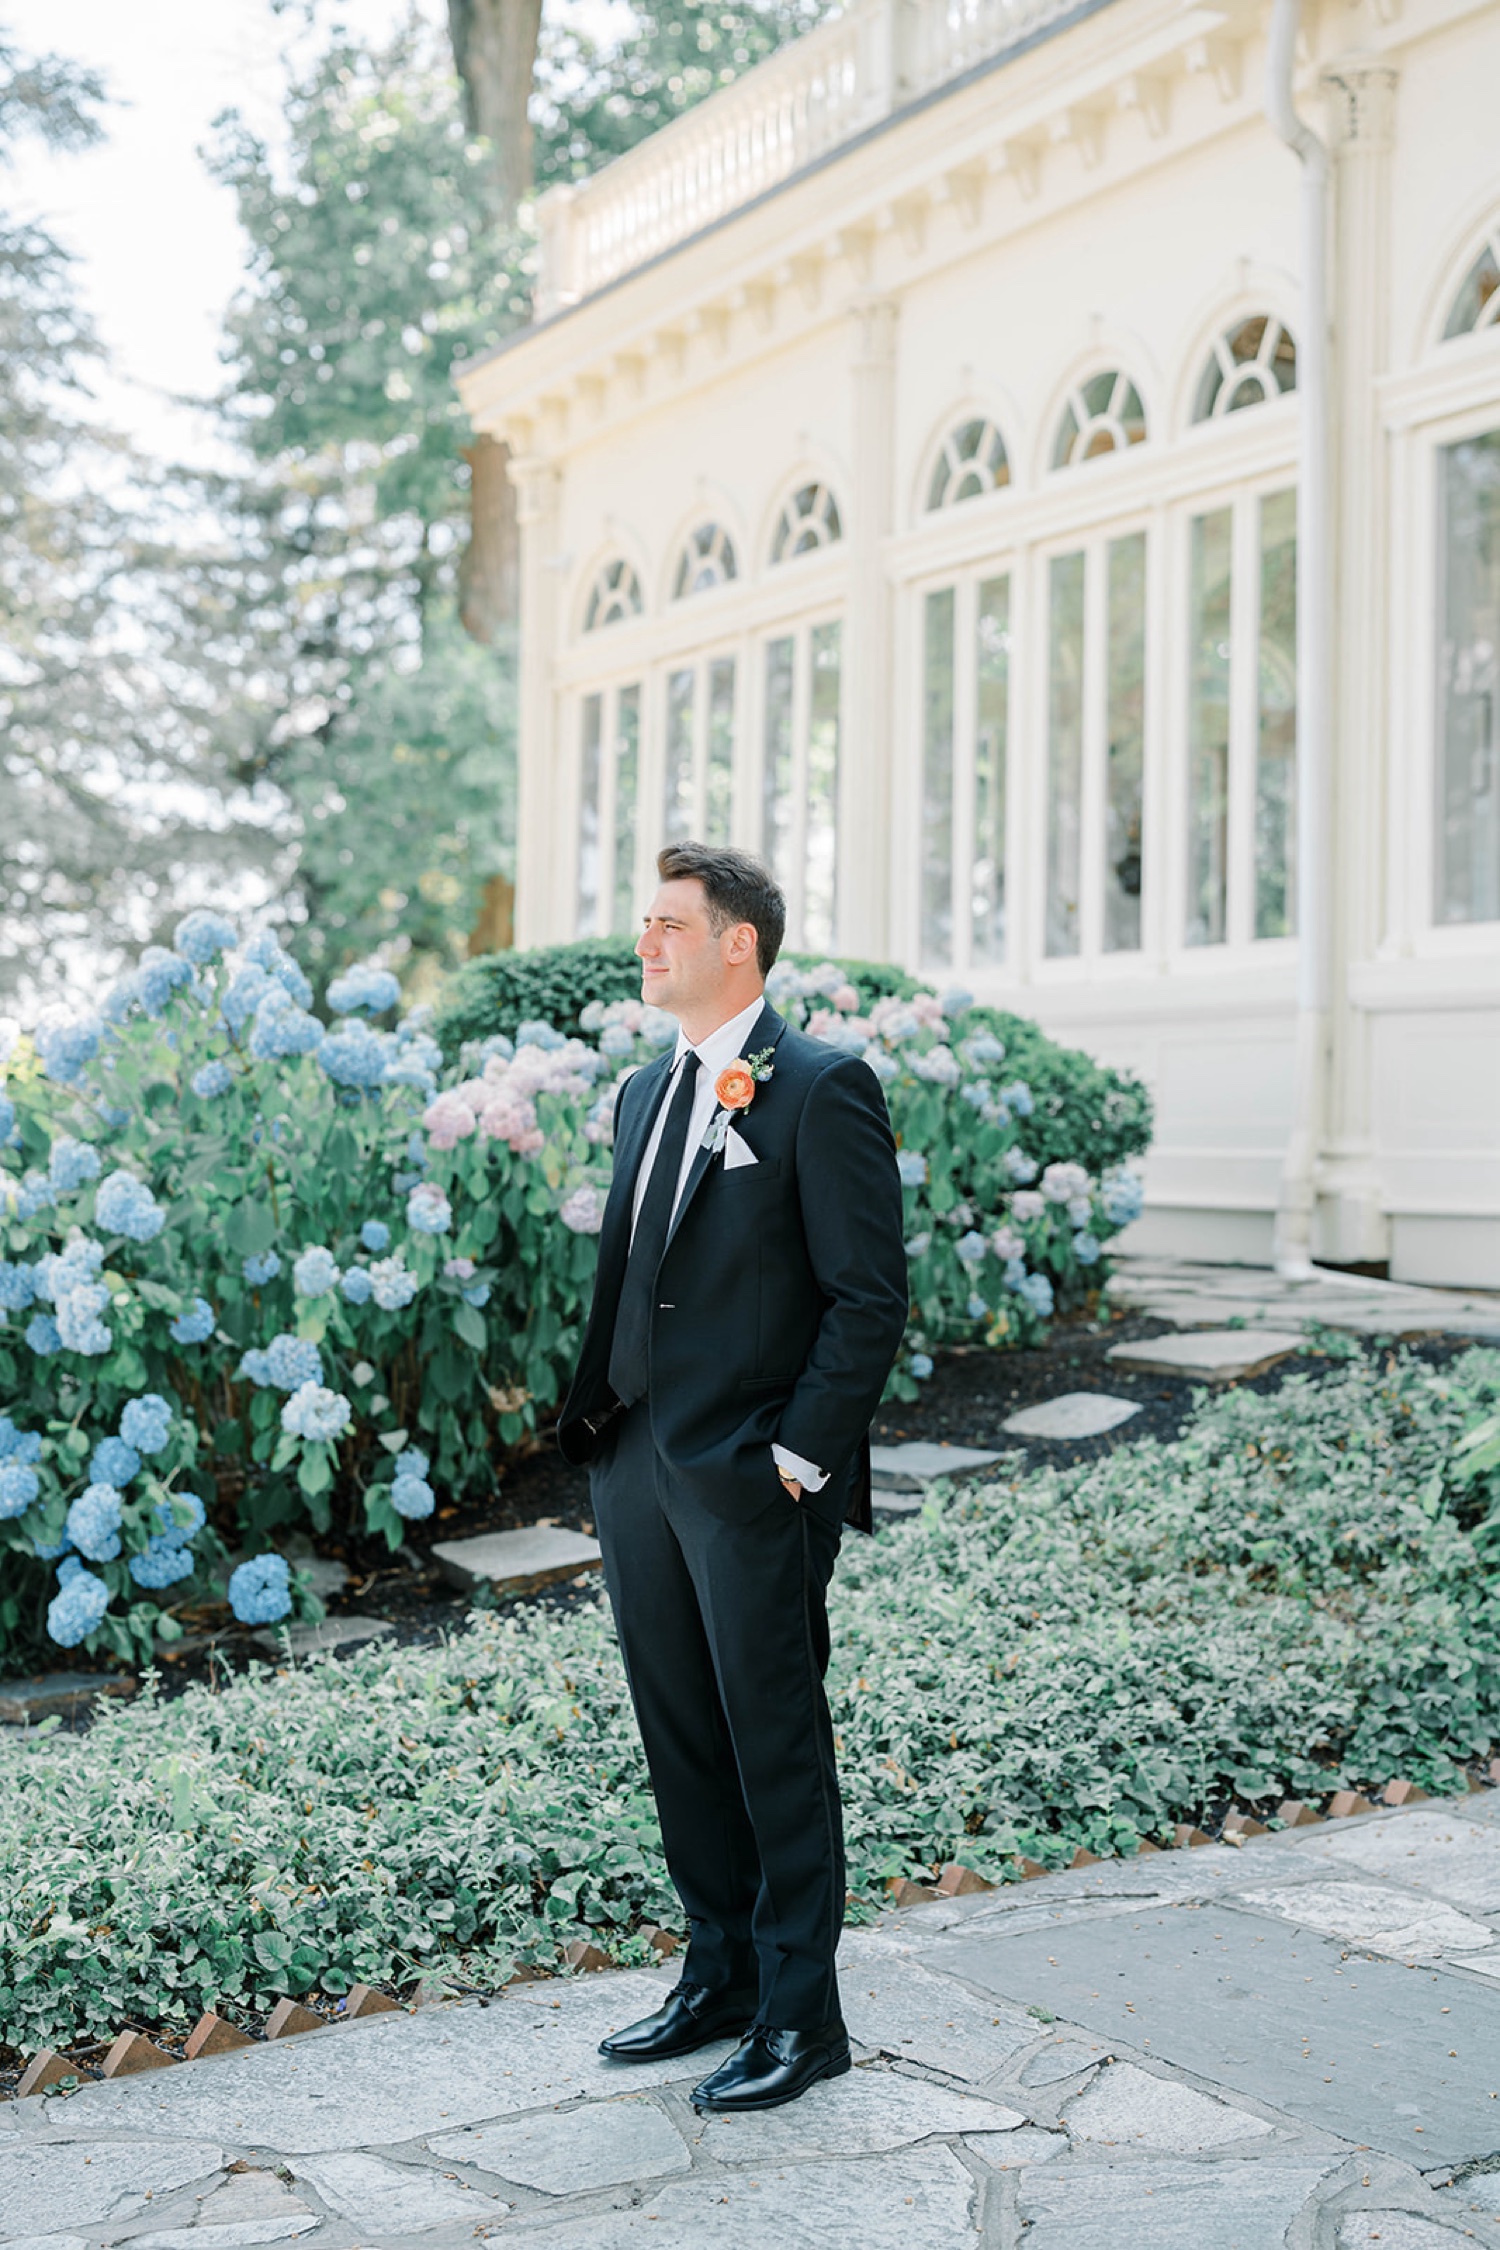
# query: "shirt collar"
[724,1045]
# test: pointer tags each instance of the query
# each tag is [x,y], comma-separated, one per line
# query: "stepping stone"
[1374,1917]
[603,2145]
[1217,1355]
[516,1562]
[333,1632]
[22,1701]
[1183,2206]
[1370,2051]
[54,2185]
[1126,2107]
[391,2199]
[888,1503]
[906,1468]
[1076,1414]
[864,2114]
[1436,1852]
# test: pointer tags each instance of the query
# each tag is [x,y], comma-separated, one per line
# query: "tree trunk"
[494,928]
[494,49]
[494,52]
[489,573]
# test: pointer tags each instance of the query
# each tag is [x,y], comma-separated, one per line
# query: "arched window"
[707,560]
[1477,304]
[1253,362]
[809,519]
[972,462]
[614,596]
[1103,415]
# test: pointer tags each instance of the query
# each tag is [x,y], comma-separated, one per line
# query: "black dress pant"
[724,1631]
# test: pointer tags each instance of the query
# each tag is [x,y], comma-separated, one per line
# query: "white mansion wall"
[1111,199]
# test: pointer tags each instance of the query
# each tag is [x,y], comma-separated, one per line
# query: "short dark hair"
[737,887]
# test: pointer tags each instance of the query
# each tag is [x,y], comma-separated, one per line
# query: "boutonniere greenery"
[734,1088]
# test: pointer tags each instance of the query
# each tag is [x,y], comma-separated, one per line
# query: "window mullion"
[700,745]
[1095,722]
[801,717]
[1244,642]
[965,704]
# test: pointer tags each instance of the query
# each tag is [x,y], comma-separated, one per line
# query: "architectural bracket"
[1151,96]
[1222,58]
[964,188]
[1023,160]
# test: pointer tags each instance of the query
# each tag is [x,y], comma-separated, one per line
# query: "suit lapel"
[765,1032]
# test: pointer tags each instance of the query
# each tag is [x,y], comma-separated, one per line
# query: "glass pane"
[1468,870]
[937,780]
[1064,750]
[1276,723]
[1125,722]
[627,766]
[991,727]
[677,806]
[776,773]
[587,922]
[820,910]
[1208,729]
[720,750]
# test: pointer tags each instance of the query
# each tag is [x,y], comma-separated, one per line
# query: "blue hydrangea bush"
[263,1269]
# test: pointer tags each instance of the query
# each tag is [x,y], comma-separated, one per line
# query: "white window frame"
[964,580]
[700,663]
[797,626]
[1451,400]
[1091,959]
[1243,497]
[609,689]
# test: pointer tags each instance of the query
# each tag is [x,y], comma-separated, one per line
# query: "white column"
[1351,1224]
[544,854]
[866,777]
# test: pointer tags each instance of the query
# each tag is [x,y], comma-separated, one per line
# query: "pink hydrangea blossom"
[583,1210]
[1026,1205]
[449,1119]
[846,1000]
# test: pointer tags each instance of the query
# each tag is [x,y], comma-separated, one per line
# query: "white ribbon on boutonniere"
[734,1089]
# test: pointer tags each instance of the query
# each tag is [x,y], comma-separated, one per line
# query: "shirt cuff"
[807,1473]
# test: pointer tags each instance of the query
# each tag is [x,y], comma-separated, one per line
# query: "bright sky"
[158,247]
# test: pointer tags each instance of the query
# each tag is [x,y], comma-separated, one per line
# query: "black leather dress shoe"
[770,2067]
[691,2016]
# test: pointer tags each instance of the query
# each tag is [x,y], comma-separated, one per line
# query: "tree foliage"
[117,803]
[371,273]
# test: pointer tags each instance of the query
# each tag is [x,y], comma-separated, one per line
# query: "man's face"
[684,966]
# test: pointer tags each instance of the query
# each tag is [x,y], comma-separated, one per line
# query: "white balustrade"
[812,96]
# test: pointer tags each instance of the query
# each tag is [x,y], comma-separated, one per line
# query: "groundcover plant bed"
[1297,1594]
[260,1271]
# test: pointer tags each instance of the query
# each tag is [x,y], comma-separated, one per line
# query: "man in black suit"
[750,1299]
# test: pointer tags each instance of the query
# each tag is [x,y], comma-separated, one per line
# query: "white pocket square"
[737,1151]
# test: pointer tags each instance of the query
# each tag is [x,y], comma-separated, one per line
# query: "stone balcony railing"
[818,92]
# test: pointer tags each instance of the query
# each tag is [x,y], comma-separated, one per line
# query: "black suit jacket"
[781,1298]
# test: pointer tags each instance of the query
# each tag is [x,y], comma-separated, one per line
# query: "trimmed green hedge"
[1085,1113]
[555,983]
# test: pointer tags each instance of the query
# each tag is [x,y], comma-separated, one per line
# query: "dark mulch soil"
[965,1402]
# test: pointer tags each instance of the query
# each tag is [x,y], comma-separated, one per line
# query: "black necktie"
[629,1352]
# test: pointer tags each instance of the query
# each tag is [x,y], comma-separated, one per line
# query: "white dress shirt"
[709,1057]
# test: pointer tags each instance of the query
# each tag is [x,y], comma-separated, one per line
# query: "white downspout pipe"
[1298,1190]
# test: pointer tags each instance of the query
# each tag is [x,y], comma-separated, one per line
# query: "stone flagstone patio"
[1290,2046]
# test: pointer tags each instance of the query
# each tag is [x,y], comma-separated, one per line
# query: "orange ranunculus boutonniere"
[734,1088]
